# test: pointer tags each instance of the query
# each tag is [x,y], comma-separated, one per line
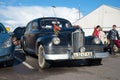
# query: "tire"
[41,59]
[94,61]
[24,46]
[115,49]
[21,46]
[9,63]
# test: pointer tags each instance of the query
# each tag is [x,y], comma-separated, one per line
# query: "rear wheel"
[43,63]
[115,49]
[94,61]
[23,43]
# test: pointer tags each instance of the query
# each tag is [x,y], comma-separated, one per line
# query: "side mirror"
[8,29]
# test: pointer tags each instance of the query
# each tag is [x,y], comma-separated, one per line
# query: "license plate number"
[83,54]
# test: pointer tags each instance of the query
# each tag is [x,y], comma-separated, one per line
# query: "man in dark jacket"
[18,32]
[113,35]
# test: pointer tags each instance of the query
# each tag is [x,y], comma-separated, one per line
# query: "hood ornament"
[56,29]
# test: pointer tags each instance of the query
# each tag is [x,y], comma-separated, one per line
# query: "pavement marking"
[24,63]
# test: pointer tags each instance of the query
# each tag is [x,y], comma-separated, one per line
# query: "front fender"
[44,41]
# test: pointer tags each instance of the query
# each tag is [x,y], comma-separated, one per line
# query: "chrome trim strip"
[69,56]
[57,56]
[101,55]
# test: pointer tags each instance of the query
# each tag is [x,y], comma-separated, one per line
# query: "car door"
[31,35]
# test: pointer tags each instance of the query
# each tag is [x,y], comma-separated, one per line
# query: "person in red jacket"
[96,31]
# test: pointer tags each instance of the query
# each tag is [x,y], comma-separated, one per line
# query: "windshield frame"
[61,23]
[2,28]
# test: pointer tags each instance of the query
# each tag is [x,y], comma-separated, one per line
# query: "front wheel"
[41,59]
[10,63]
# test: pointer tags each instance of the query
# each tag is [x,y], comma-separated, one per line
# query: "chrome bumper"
[70,56]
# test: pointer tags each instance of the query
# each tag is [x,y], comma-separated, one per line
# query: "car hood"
[4,37]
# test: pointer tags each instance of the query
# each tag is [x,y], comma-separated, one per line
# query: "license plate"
[83,54]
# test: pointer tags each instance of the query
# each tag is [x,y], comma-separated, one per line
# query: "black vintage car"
[52,38]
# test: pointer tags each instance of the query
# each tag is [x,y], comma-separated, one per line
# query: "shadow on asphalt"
[72,63]
[19,57]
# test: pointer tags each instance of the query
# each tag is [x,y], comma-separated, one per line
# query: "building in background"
[105,16]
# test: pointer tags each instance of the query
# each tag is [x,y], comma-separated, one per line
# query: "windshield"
[48,23]
[2,29]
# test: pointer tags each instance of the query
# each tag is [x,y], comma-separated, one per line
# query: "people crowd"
[107,39]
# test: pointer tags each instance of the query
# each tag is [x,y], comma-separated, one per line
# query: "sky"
[14,13]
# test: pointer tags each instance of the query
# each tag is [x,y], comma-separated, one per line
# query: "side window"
[46,24]
[28,28]
[67,25]
[35,25]
[2,29]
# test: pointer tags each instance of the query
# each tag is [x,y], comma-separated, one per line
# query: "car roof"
[50,18]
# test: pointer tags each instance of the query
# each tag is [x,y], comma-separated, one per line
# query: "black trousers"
[111,46]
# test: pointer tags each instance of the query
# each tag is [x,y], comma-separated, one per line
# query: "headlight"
[56,40]
[7,43]
[96,40]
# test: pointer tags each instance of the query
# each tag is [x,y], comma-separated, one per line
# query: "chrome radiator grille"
[77,40]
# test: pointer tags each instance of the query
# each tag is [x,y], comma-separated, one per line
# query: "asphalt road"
[26,68]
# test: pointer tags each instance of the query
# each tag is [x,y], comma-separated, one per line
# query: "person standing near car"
[96,31]
[113,35]
[102,36]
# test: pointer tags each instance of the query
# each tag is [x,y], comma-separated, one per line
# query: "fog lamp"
[82,49]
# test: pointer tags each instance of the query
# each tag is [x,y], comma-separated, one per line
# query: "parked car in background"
[53,39]
[6,46]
